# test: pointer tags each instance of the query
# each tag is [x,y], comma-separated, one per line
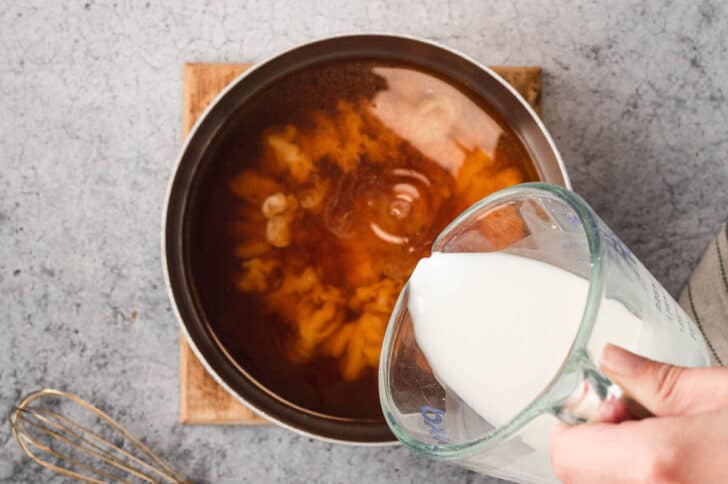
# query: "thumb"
[663,389]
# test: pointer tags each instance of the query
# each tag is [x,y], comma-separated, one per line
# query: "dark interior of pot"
[304,198]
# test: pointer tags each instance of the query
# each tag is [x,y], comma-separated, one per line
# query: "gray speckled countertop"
[90,100]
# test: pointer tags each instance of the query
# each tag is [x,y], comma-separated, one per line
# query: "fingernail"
[620,361]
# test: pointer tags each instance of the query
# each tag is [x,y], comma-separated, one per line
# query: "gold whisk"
[75,451]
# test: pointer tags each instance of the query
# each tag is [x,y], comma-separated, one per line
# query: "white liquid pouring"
[496,328]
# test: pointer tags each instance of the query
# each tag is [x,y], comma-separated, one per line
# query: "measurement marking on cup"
[432,418]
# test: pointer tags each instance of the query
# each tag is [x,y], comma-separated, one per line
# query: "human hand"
[686,441]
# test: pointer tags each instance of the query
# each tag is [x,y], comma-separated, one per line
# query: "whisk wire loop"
[28,422]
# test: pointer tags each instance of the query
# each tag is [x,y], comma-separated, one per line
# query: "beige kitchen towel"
[705,298]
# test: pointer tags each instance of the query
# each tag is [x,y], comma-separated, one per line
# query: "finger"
[668,449]
[625,453]
[666,389]
[615,410]
[605,453]
[705,457]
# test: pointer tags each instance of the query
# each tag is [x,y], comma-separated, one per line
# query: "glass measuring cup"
[555,226]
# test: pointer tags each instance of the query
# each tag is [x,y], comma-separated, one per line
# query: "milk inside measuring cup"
[496,328]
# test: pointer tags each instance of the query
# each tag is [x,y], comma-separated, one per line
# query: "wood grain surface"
[202,400]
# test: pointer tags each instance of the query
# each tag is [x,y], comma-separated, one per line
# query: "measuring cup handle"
[598,399]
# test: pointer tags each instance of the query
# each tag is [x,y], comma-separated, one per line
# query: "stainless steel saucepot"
[175,241]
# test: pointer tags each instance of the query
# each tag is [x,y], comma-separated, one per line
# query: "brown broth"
[361,164]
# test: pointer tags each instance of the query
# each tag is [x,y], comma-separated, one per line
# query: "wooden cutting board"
[202,400]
